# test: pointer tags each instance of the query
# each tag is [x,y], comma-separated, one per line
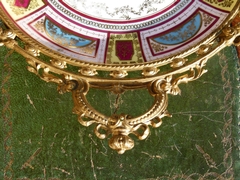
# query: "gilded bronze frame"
[159,84]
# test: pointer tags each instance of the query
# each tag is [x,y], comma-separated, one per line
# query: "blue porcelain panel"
[63,37]
[182,34]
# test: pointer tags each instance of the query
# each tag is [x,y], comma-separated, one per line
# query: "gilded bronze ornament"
[118,127]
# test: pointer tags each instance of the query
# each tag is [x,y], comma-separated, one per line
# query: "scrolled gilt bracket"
[119,127]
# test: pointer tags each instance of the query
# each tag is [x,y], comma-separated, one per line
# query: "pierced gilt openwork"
[161,77]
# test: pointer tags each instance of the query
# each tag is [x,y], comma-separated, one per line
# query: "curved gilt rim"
[110,67]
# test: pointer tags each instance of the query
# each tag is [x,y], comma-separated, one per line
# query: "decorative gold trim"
[158,83]
[110,67]
[111,52]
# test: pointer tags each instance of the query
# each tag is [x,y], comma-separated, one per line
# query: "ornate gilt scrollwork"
[7,38]
[32,50]
[119,127]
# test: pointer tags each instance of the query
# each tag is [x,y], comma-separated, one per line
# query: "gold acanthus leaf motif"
[7,38]
[32,50]
[88,71]
[119,74]
[230,35]
[120,128]
[170,84]
[45,75]
[58,64]
[66,86]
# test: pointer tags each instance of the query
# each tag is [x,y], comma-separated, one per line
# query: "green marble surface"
[200,141]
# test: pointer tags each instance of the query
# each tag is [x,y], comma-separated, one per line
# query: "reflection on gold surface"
[160,84]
